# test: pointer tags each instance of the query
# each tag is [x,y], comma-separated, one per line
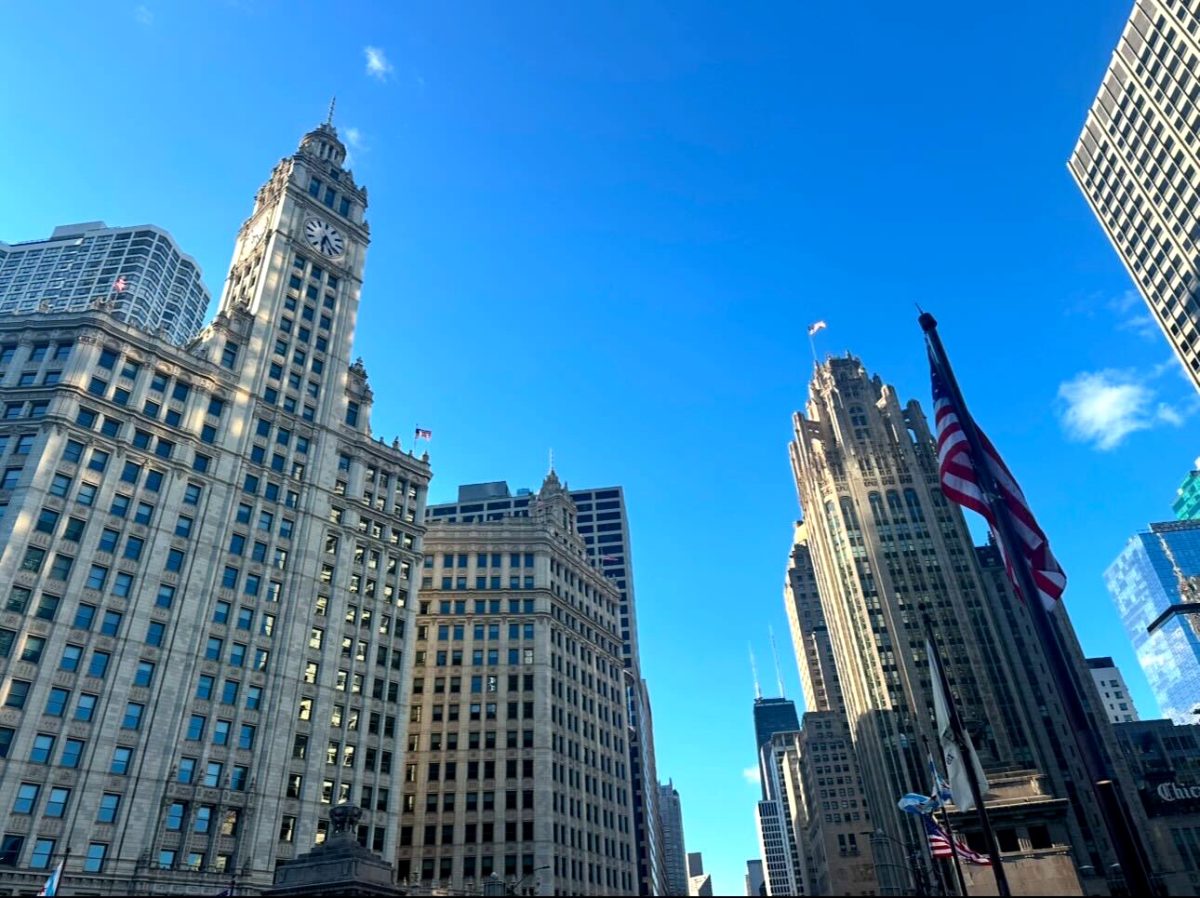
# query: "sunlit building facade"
[208,567]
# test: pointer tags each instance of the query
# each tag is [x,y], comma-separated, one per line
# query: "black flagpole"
[937,793]
[1129,848]
[967,759]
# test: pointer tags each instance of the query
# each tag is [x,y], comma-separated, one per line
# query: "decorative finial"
[551,461]
[332,104]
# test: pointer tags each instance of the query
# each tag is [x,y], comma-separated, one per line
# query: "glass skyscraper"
[1155,583]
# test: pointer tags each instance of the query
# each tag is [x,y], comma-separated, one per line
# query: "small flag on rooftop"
[816,326]
[423,434]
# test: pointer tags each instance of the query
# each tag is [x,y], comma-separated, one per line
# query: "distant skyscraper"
[674,851]
[1155,583]
[699,882]
[518,710]
[829,806]
[888,551]
[604,528]
[771,716]
[1113,691]
[1138,163]
[1187,500]
[756,883]
[77,267]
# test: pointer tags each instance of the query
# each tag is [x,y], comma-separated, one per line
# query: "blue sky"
[602,229]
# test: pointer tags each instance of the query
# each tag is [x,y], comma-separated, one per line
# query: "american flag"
[957,468]
[423,434]
[120,285]
[939,845]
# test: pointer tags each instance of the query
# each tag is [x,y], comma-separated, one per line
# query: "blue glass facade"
[1145,586]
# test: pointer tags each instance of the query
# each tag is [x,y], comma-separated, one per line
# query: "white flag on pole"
[956,769]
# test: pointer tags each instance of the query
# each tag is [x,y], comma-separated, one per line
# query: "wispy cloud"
[1104,407]
[142,15]
[377,63]
[1143,326]
[354,143]
[750,775]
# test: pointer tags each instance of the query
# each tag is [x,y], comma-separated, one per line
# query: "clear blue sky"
[603,229]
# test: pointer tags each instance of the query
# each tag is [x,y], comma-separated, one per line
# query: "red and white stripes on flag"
[960,483]
[939,845]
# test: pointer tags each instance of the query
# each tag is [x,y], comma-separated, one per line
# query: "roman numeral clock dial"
[324,238]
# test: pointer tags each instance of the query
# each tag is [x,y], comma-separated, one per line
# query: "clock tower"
[296,277]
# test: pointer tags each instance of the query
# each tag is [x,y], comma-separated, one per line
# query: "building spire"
[551,471]
[775,652]
[754,670]
[332,106]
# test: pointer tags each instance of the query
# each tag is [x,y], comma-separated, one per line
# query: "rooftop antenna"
[332,104]
[551,461]
[754,670]
[775,652]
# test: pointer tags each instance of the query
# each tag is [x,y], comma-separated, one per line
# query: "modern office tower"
[1137,163]
[1118,703]
[889,551]
[518,761]
[1187,498]
[1155,583]
[604,527]
[78,267]
[1165,761]
[832,820]
[771,716]
[674,852]
[205,557]
[756,883]
[699,882]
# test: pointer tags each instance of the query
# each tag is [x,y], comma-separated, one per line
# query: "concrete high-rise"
[1110,683]
[1164,760]
[604,527]
[1155,583]
[77,268]
[207,561]
[1138,164]
[519,760]
[832,820]
[889,551]
[674,850]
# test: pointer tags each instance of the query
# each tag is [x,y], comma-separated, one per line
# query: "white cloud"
[750,775]
[1104,407]
[354,137]
[377,63]
[1124,303]
[142,15]
[1143,326]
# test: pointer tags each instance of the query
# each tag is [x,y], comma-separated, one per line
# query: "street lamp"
[516,889]
[915,868]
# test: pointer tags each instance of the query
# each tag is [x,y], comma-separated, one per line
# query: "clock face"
[324,237]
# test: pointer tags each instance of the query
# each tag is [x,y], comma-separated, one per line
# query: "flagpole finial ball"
[927,321]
